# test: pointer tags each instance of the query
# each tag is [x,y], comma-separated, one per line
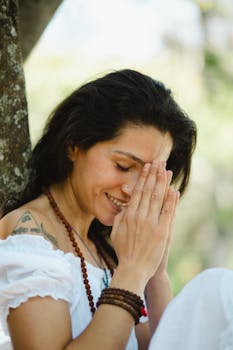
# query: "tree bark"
[34,17]
[15,145]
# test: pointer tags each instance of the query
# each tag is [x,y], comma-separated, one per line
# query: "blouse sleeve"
[29,267]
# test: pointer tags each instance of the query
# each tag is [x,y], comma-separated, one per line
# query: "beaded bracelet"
[125,299]
[124,293]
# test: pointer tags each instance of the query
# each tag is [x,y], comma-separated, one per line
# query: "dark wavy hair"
[97,111]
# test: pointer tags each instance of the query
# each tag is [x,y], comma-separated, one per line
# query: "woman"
[90,235]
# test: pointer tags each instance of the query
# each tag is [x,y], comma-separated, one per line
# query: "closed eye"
[122,168]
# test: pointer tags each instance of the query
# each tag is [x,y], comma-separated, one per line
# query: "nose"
[126,189]
[128,186]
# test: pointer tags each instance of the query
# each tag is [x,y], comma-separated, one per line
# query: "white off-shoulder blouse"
[29,267]
[200,317]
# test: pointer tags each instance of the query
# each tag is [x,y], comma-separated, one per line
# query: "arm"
[158,294]
[44,323]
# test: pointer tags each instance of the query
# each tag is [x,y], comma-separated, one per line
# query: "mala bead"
[78,252]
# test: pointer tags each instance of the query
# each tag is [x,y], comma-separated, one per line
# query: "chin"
[107,221]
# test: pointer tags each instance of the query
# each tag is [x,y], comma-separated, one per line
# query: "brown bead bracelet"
[125,299]
[124,294]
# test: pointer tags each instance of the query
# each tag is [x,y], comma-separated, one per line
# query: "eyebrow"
[131,156]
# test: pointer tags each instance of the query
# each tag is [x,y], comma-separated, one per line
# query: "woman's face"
[99,174]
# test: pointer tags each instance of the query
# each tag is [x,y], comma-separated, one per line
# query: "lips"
[116,202]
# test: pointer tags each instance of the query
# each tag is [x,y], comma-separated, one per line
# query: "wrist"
[125,299]
[160,276]
[130,279]
[159,280]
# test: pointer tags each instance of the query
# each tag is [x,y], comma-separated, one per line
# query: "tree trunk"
[34,17]
[15,145]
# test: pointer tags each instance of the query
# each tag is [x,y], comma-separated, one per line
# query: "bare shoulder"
[28,219]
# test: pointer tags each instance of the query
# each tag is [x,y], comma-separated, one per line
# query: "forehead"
[144,142]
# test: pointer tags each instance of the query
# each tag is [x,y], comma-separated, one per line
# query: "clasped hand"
[141,232]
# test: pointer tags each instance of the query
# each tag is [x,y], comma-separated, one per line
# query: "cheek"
[110,178]
[103,178]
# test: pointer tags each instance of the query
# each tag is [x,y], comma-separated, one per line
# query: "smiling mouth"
[116,202]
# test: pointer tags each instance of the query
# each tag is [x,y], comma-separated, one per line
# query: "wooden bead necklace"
[78,252]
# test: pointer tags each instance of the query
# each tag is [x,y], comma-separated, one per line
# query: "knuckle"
[155,194]
[162,175]
[161,181]
[140,215]
[166,209]
[150,224]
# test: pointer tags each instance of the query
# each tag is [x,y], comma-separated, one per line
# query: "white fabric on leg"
[200,317]
[226,339]
[5,344]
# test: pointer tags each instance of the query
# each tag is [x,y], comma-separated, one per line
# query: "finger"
[169,179]
[173,214]
[137,191]
[164,262]
[167,211]
[170,231]
[117,221]
[147,191]
[158,193]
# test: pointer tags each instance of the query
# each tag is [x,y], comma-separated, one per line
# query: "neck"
[68,204]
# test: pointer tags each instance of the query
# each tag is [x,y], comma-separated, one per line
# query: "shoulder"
[22,220]
[31,218]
